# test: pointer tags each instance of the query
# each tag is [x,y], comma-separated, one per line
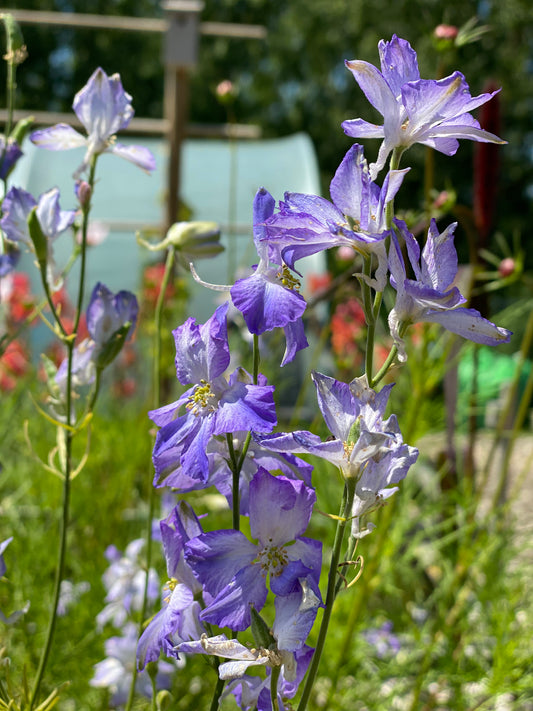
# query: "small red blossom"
[447,32]
[347,324]
[318,282]
[14,363]
[16,293]
[152,278]
[506,267]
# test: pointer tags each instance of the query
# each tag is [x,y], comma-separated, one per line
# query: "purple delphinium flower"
[306,224]
[213,405]
[431,296]
[107,313]
[9,257]
[233,570]
[364,446]
[178,618]
[10,152]
[70,594]
[295,615]
[103,107]
[124,581]
[116,671]
[415,110]
[3,546]
[383,640]
[269,298]
[16,208]
[256,457]
[250,692]
[219,472]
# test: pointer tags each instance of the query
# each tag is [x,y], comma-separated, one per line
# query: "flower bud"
[196,240]
[445,32]
[83,193]
[506,267]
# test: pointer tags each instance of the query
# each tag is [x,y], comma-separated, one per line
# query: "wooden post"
[180,56]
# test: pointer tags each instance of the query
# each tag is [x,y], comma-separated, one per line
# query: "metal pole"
[176,112]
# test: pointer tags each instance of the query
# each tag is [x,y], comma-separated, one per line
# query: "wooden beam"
[146,126]
[130,24]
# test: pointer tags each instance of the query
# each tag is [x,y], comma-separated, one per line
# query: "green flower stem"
[274,678]
[69,436]
[216,695]
[63,535]
[344,518]
[237,462]
[235,472]
[156,390]
[382,372]
[85,224]
[393,165]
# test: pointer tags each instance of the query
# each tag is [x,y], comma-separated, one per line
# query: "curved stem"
[344,517]
[382,372]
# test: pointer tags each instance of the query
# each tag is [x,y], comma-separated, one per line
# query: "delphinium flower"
[233,570]
[365,446]
[16,208]
[213,405]
[104,108]
[284,646]
[269,298]
[124,581]
[178,619]
[256,457]
[111,320]
[70,594]
[384,641]
[9,256]
[219,472]
[435,113]
[431,296]
[10,152]
[306,224]
[116,671]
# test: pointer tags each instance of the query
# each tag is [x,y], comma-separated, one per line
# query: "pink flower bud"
[84,192]
[446,32]
[224,88]
[507,267]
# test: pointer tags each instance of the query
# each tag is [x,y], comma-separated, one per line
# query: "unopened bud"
[506,267]
[446,32]
[83,193]
[196,240]
[260,631]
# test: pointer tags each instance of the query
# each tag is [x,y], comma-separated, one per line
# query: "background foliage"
[295,80]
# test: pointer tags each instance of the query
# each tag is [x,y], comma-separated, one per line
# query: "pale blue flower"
[103,107]
[414,110]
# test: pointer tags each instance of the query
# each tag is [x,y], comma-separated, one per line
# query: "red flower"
[14,363]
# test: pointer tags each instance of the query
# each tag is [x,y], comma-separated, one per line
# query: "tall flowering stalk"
[103,107]
[230,576]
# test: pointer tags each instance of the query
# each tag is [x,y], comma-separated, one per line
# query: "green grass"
[455,587]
